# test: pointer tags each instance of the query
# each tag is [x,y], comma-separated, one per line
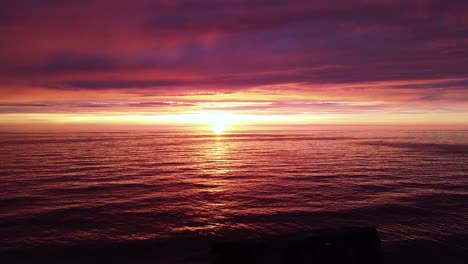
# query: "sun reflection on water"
[218,154]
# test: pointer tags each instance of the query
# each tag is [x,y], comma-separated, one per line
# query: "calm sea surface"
[62,188]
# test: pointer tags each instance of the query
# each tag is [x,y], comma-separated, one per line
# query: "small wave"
[437,148]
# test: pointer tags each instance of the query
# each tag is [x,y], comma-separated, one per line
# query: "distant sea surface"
[67,189]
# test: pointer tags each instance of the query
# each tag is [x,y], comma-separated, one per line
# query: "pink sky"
[76,63]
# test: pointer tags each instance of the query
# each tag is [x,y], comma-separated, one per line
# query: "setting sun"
[218,128]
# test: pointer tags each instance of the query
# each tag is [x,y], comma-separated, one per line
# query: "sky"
[251,62]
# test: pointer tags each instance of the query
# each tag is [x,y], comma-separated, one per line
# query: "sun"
[218,128]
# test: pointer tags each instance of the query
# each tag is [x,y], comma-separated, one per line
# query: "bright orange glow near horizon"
[218,121]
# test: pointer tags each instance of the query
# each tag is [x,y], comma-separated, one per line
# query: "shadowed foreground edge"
[346,246]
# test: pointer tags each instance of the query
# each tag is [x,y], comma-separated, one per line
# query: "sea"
[179,190]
